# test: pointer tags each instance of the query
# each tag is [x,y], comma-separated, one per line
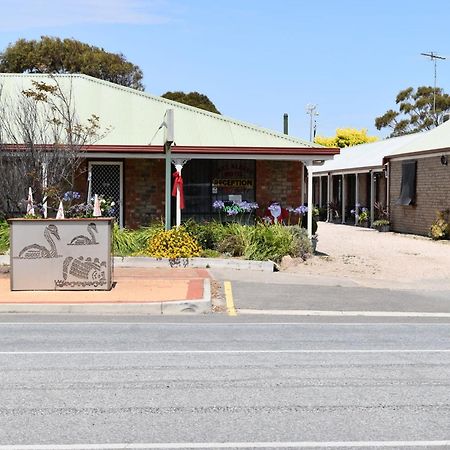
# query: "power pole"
[434,57]
[312,111]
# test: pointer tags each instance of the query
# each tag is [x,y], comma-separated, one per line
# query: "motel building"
[150,138]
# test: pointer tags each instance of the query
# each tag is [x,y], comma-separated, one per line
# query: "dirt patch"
[378,259]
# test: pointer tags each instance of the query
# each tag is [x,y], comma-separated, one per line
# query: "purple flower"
[302,209]
[218,204]
[71,195]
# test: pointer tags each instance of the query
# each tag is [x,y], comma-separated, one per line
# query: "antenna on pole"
[312,111]
[434,57]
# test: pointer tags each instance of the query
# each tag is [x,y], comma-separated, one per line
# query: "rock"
[287,262]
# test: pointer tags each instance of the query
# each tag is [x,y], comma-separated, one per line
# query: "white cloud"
[24,14]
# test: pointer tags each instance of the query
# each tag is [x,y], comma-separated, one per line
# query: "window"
[408,186]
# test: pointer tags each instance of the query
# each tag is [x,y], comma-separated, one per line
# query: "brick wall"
[432,194]
[143,191]
[278,181]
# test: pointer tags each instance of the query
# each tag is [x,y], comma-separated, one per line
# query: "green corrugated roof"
[135,116]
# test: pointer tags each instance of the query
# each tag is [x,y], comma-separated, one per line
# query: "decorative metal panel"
[69,254]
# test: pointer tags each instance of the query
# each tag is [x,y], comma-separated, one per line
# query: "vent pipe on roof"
[285,123]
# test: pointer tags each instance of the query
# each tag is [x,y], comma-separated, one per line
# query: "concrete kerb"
[194,263]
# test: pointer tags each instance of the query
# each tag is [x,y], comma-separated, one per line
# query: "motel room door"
[106,179]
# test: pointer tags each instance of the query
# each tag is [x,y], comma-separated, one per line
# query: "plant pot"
[384,228]
[67,254]
[314,244]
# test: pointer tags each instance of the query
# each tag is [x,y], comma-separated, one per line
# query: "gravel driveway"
[373,259]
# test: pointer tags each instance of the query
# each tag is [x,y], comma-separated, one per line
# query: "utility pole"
[312,111]
[434,57]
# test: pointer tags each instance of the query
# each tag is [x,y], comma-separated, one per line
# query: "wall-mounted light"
[444,160]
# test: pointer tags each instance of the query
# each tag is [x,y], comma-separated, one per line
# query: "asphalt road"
[271,292]
[222,383]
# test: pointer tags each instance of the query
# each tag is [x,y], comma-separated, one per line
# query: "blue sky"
[257,59]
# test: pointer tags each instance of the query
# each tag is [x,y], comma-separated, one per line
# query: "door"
[106,181]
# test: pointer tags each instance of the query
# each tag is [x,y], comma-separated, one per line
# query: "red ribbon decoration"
[178,184]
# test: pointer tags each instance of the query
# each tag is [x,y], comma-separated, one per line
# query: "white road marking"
[233,324]
[221,352]
[307,312]
[215,445]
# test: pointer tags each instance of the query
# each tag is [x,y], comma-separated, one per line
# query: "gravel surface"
[376,259]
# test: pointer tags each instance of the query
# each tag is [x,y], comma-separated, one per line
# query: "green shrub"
[4,236]
[208,253]
[133,242]
[235,239]
[208,234]
[260,242]
[301,245]
[268,242]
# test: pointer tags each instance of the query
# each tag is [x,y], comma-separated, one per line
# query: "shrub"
[4,236]
[133,242]
[301,245]
[207,234]
[172,244]
[440,229]
[269,242]
[235,239]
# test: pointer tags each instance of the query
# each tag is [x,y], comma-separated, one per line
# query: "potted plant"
[382,225]
[382,222]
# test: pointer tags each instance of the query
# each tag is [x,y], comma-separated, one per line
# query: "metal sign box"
[67,254]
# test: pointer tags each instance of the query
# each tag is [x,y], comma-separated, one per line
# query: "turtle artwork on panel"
[82,272]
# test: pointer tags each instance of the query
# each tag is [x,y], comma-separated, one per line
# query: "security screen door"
[106,180]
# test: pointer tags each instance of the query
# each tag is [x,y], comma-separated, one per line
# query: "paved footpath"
[135,290]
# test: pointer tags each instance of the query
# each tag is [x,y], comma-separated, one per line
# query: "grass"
[4,236]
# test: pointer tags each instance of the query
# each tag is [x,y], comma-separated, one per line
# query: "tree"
[416,111]
[192,99]
[41,144]
[55,55]
[346,137]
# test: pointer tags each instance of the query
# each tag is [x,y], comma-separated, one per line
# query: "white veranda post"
[179,163]
[310,200]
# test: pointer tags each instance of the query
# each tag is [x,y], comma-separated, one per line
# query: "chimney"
[285,124]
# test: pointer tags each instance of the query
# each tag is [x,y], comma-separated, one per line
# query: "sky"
[259,59]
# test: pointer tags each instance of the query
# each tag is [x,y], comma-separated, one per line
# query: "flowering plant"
[80,210]
[300,211]
[361,214]
[232,208]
